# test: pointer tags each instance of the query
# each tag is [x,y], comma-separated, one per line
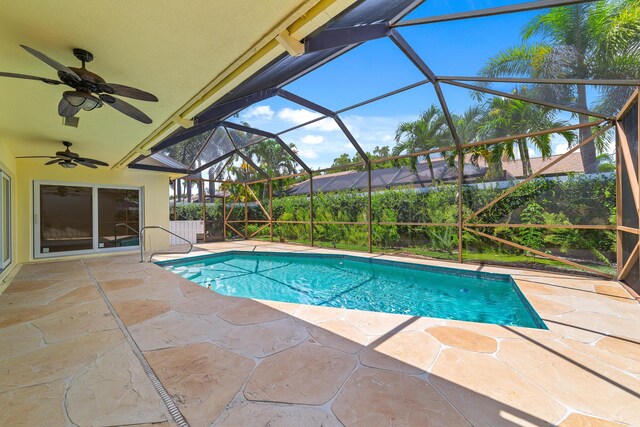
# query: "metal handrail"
[142,230]
[122,224]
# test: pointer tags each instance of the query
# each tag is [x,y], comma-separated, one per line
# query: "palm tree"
[512,117]
[429,132]
[583,41]
[274,160]
[271,157]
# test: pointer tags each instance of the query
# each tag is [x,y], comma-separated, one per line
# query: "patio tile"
[19,339]
[74,321]
[338,334]
[597,324]
[308,374]
[201,378]
[546,306]
[376,324]
[56,361]
[248,312]
[502,331]
[205,304]
[114,390]
[625,348]
[136,311]
[190,289]
[177,329]
[263,339]
[372,397]
[276,415]
[146,291]
[408,352]
[181,324]
[285,307]
[18,285]
[463,339]
[51,267]
[548,364]
[612,359]
[489,393]
[617,292]
[39,405]
[79,295]
[117,284]
[581,420]
[13,316]
[317,314]
[41,296]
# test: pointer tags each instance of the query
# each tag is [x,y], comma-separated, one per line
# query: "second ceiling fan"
[90,91]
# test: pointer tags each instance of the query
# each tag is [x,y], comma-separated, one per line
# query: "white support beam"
[293,46]
[185,123]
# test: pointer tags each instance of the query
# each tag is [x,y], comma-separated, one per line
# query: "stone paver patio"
[225,361]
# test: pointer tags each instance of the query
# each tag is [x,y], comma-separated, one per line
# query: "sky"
[453,48]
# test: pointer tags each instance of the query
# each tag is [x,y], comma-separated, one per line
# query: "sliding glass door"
[66,218]
[5,220]
[118,217]
[78,218]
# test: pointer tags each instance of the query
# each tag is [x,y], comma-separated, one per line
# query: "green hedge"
[572,200]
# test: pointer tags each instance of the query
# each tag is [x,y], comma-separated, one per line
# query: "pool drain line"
[169,403]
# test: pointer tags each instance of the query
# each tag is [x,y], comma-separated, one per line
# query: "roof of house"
[406,176]
[386,177]
[570,164]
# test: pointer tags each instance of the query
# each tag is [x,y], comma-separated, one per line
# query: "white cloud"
[312,139]
[302,115]
[263,112]
[307,153]
[559,145]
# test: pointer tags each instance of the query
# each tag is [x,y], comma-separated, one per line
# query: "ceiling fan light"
[74,98]
[89,104]
[67,165]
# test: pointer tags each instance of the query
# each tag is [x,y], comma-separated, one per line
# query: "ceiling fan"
[68,159]
[90,91]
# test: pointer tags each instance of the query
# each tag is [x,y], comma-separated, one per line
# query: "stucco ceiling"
[170,48]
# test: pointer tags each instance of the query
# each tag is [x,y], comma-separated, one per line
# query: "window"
[5,221]
[78,218]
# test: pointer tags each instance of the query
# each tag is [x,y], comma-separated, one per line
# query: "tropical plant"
[428,132]
[507,117]
[532,237]
[583,41]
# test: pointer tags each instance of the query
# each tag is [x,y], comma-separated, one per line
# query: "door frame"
[94,220]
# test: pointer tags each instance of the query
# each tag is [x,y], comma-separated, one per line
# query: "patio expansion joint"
[162,392]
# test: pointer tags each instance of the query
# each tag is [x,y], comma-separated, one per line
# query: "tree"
[342,160]
[506,117]
[273,159]
[429,132]
[583,41]
[468,127]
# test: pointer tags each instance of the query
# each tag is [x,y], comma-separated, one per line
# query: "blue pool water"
[363,284]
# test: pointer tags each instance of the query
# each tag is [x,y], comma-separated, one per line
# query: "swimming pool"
[363,284]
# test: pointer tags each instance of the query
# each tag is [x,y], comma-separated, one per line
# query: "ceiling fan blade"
[52,162]
[87,164]
[129,92]
[25,76]
[125,108]
[65,109]
[36,157]
[51,62]
[93,161]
